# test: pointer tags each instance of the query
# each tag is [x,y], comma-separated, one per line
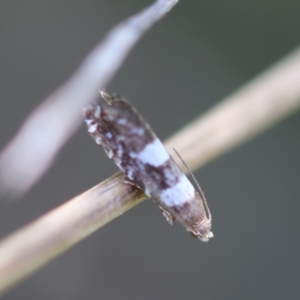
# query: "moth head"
[202,230]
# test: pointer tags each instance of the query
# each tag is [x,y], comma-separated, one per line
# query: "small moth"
[129,141]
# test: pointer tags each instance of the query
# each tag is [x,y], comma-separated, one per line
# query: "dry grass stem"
[33,246]
[260,104]
[49,126]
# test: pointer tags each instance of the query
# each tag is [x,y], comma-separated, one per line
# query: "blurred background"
[200,53]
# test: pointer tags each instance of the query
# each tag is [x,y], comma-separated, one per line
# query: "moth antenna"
[198,186]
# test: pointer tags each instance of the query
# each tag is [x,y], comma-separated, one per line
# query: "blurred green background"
[200,53]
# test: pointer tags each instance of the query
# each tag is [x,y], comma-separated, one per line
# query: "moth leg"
[127,180]
[170,219]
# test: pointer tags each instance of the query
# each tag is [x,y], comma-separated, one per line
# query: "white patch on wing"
[98,140]
[89,122]
[178,194]
[97,111]
[110,153]
[169,175]
[93,128]
[109,135]
[138,131]
[119,151]
[122,121]
[154,154]
[147,192]
[129,173]
[118,163]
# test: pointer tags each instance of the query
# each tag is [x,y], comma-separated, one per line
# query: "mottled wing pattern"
[129,141]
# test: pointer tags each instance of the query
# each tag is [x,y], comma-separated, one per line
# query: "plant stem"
[265,101]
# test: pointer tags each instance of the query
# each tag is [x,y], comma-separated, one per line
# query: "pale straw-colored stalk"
[260,104]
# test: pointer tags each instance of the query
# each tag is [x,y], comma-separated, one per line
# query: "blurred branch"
[266,100]
[49,126]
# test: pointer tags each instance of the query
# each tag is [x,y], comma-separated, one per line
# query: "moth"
[129,141]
